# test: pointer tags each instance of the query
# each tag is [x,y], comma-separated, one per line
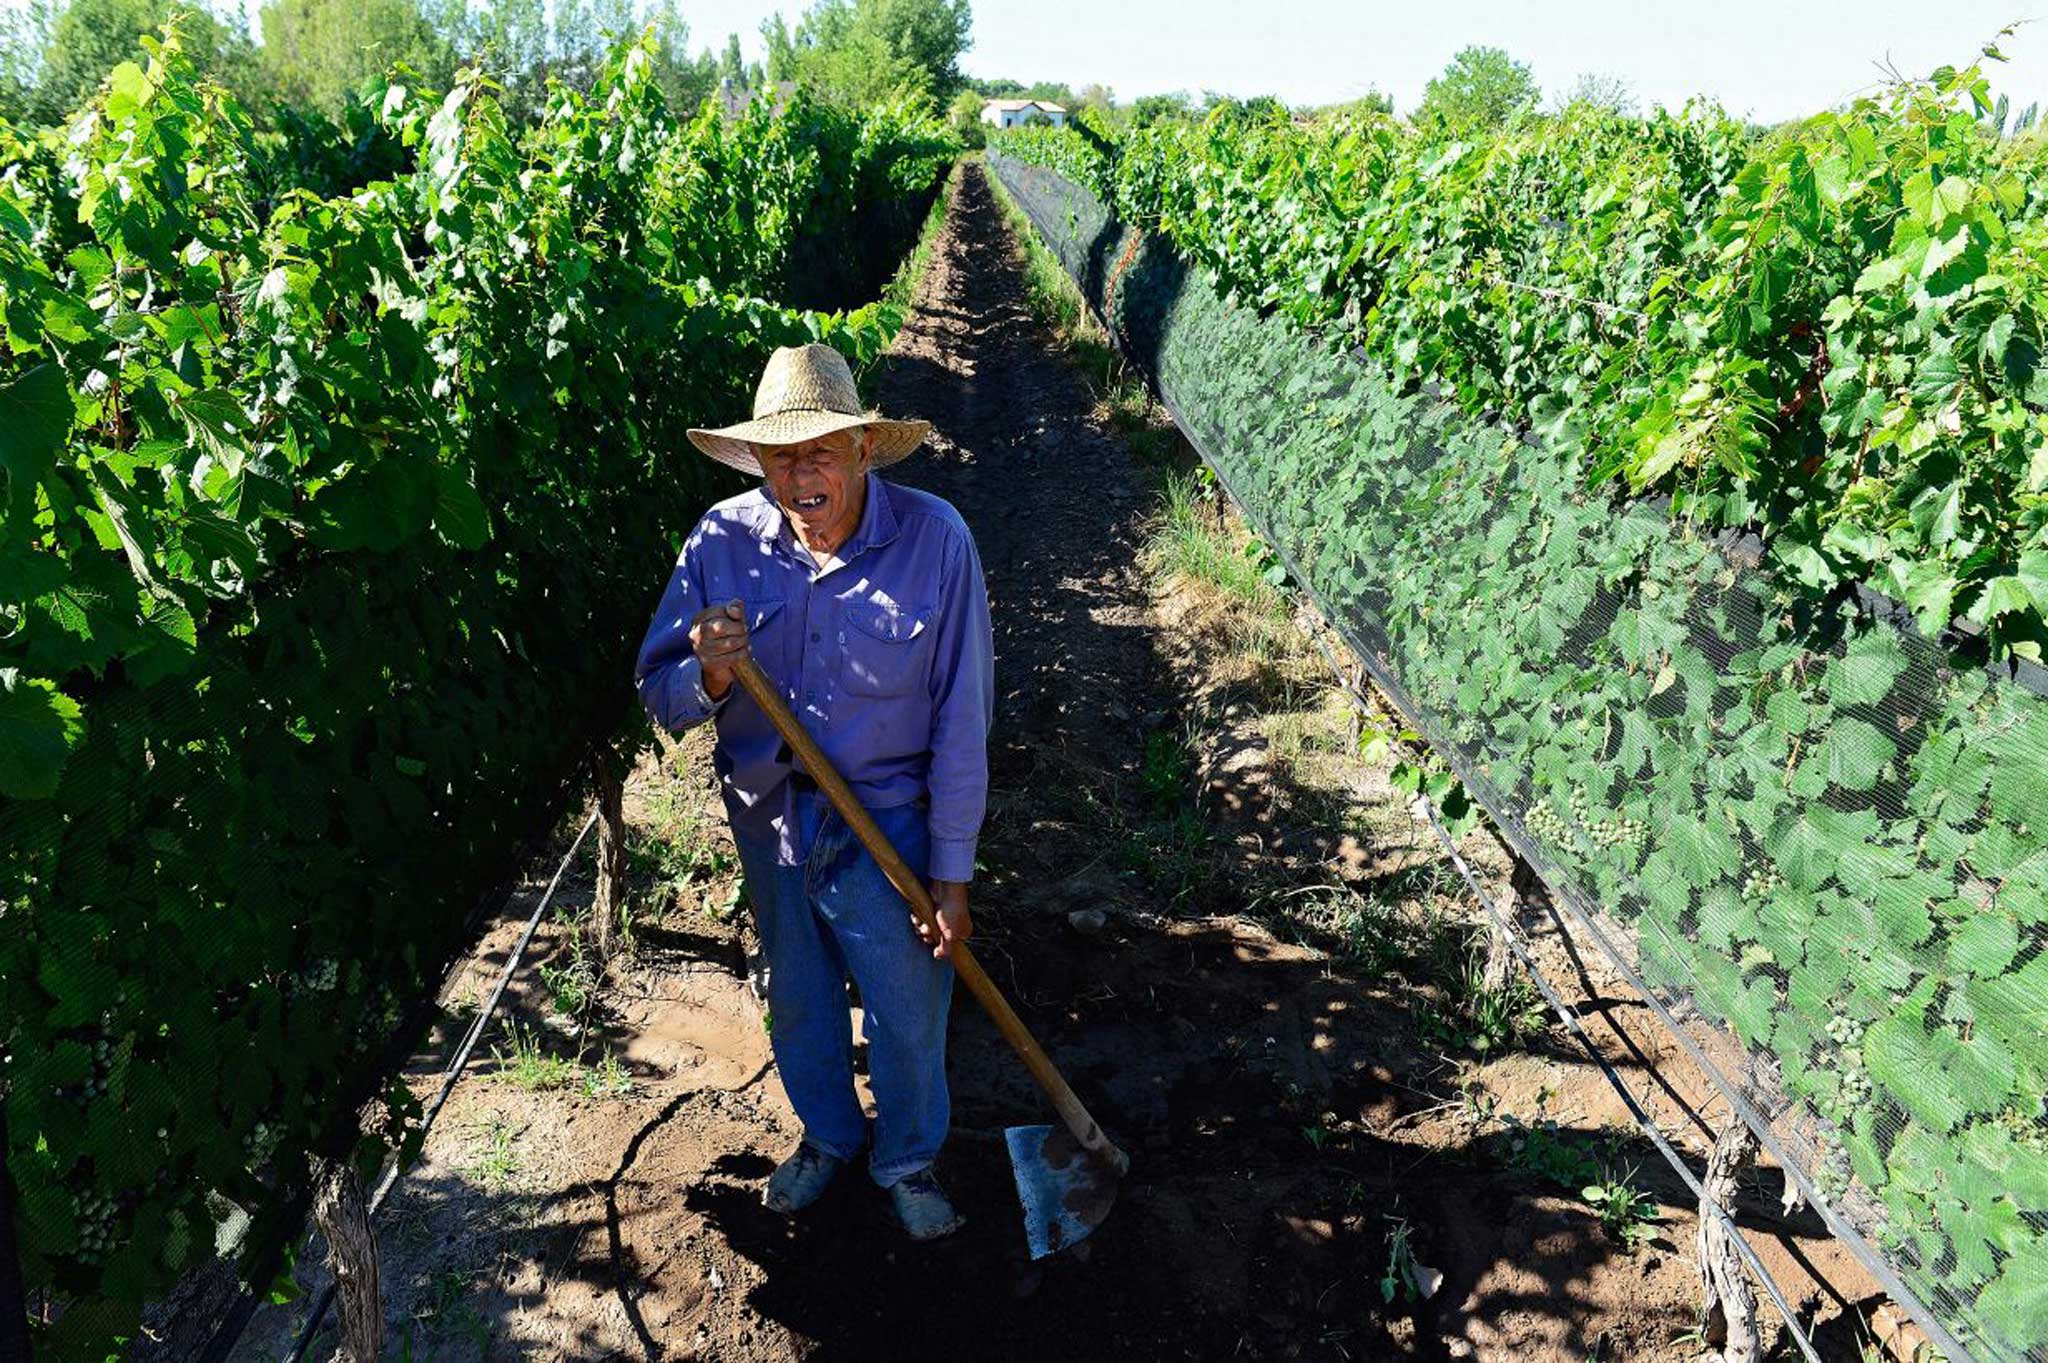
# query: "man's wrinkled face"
[818,484]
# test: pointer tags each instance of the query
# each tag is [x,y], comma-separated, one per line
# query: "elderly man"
[864,603]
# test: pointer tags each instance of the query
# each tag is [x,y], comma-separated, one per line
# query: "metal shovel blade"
[1066,1191]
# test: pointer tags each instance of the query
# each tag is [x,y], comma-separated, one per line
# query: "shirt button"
[842,636]
[814,637]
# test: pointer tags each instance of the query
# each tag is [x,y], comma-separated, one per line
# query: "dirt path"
[1238,1015]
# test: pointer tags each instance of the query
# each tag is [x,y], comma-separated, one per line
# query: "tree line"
[317,56]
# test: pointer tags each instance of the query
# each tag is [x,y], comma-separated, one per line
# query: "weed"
[1483,1018]
[1627,1214]
[570,986]
[499,1164]
[1188,541]
[610,1079]
[1542,1148]
[527,1065]
[1405,1278]
[679,849]
[1317,1135]
[1167,771]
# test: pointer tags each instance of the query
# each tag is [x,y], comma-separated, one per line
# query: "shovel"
[1066,1179]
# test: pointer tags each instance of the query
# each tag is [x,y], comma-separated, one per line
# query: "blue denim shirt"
[885,655]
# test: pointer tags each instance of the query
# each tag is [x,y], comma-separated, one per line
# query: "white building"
[1009,113]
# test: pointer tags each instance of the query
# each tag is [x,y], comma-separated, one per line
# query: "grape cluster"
[95,1213]
[1831,1173]
[320,978]
[262,1139]
[1762,884]
[1606,833]
[1847,1034]
[1544,822]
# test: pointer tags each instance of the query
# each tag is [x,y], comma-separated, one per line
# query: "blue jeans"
[838,915]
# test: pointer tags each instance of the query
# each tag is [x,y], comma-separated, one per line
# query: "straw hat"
[806,391]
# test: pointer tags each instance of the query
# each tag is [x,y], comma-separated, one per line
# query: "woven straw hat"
[806,391]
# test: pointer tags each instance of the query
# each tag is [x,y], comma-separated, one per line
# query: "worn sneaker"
[922,1206]
[800,1180]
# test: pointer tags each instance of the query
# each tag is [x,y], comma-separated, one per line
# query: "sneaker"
[800,1180]
[922,1206]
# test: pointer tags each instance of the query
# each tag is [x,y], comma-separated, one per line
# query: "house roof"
[1044,104]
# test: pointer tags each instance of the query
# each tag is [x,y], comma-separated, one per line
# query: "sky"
[1764,59]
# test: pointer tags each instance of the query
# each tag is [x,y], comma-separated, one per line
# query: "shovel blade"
[1066,1191]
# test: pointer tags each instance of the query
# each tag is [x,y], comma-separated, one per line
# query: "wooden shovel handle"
[911,886]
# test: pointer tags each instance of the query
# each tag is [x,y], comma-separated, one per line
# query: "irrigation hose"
[1569,1016]
[318,1313]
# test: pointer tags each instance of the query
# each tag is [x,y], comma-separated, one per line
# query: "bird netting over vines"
[1821,833]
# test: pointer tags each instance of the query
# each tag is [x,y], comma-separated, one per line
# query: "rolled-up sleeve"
[668,676]
[963,705]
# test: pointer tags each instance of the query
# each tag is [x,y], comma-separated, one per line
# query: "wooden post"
[343,1216]
[607,915]
[1728,1304]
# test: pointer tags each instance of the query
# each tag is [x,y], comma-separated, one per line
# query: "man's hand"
[719,638]
[956,924]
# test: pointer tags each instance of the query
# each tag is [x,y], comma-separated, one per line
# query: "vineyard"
[1434,372]
[329,521]
[1674,490]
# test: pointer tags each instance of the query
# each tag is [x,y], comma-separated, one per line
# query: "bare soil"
[1286,1096]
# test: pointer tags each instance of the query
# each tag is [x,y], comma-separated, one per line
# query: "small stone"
[1088,922]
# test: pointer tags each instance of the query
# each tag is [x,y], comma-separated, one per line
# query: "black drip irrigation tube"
[1838,1225]
[1572,1023]
[1569,1016]
[318,1313]
[238,1318]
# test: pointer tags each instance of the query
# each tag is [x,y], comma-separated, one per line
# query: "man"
[864,604]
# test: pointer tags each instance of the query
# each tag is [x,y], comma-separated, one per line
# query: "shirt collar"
[878,524]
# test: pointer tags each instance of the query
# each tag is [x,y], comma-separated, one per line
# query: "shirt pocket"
[884,649]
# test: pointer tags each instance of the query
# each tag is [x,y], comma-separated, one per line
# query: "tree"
[964,113]
[57,58]
[318,51]
[1611,93]
[1147,110]
[864,51]
[1481,85]
[732,65]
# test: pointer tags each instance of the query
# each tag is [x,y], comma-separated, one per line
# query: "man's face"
[818,484]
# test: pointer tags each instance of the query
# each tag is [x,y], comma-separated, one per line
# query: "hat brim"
[734,445]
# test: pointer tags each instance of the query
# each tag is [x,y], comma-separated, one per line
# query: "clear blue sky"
[1767,59]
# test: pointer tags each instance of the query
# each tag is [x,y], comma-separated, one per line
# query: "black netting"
[1819,843]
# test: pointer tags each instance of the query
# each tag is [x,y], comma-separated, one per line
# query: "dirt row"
[1223,922]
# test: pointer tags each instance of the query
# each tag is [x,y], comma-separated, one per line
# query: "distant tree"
[318,51]
[1481,85]
[685,81]
[964,112]
[731,65]
[1371,102]
[57,57]
[862,51]
[1147,110]
[1257,109]
[1053,91]
[1100,98]
[1611,93]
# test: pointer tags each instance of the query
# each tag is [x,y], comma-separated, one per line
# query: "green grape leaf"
[39,415]
[39,727]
